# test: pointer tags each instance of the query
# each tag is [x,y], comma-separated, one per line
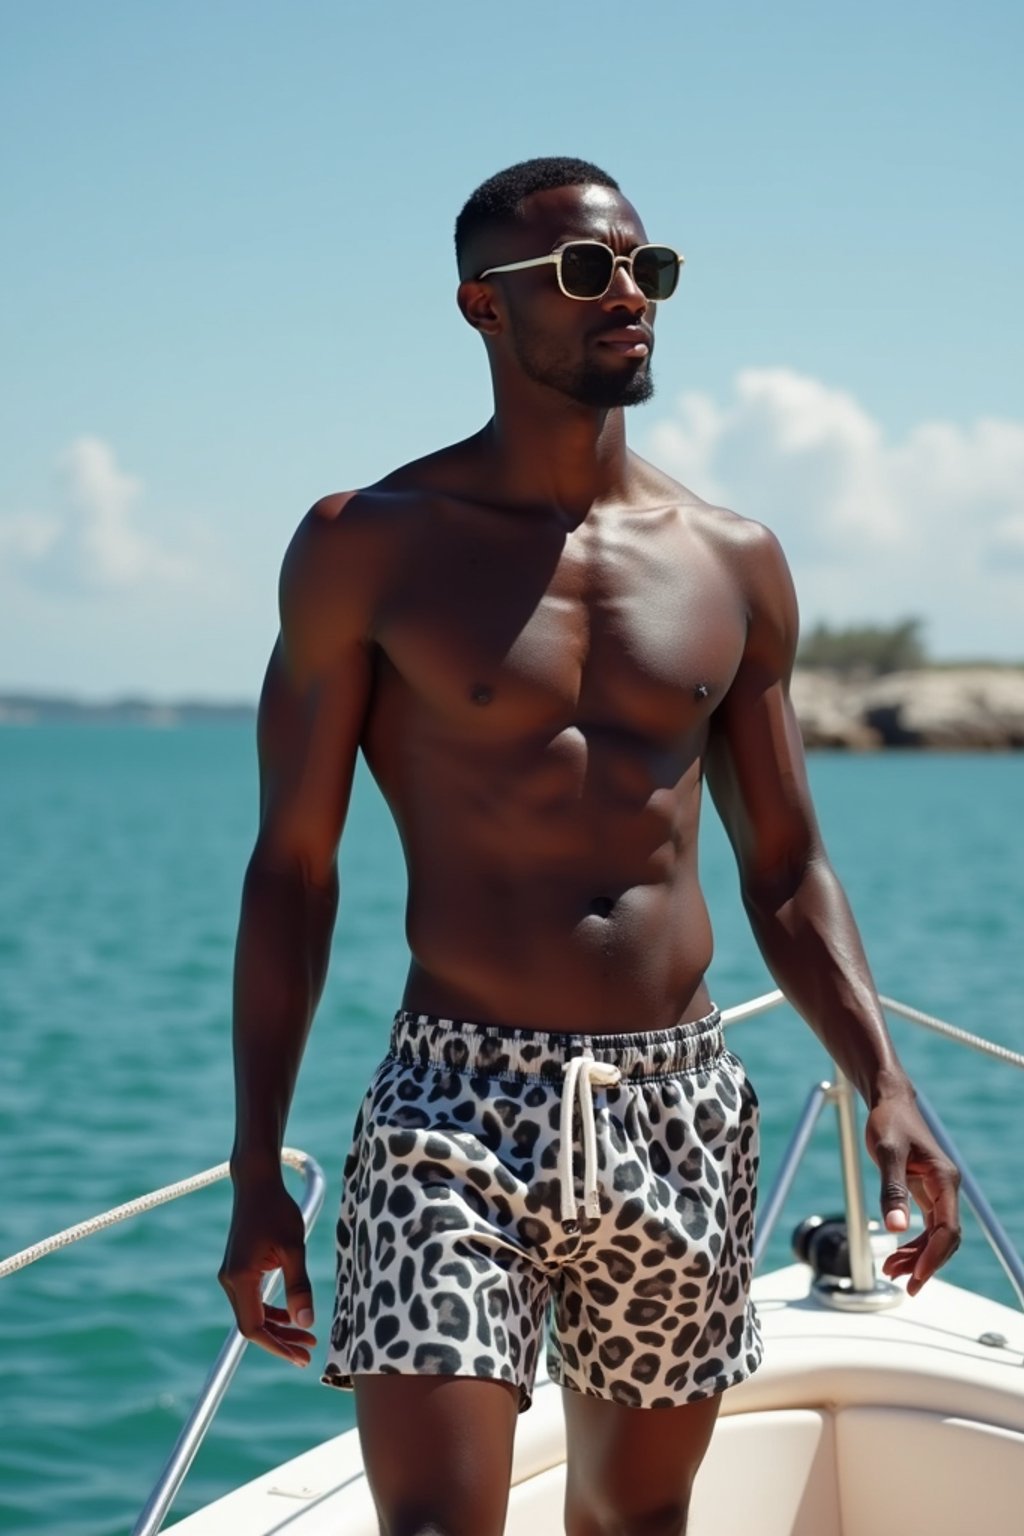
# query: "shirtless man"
[544,646]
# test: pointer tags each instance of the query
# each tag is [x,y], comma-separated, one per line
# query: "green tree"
[873,648]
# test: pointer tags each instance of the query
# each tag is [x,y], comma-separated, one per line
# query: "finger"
[269,1327]
[907,1255]
[278,1315]
[297,1286]
[942,1244]
[902,1262]
[920,1258]
[279,1323]
[895,1198]
[268,1339]
[275,1334]
[903,1258]
[941,1183]
[268,1335]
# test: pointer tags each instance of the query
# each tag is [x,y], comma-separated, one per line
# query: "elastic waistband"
[496,1050]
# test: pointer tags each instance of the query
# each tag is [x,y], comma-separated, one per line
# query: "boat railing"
[863,1291]
[211,1395]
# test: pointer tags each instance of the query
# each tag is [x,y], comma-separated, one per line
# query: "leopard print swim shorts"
[502,1181]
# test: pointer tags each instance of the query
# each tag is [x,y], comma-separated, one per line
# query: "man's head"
[595,352]
[497,204]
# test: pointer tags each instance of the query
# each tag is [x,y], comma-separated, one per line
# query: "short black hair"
[498,200]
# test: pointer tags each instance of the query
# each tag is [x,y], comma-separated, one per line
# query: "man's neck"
[568,456]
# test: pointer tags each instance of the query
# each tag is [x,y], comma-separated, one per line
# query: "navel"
[481,693]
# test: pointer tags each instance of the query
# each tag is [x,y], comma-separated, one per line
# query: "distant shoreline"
[953,707]
[53,709]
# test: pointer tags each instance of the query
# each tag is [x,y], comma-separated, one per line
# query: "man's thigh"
[632,1469]
[437,1451]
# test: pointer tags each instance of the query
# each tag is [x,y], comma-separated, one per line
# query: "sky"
[227,288]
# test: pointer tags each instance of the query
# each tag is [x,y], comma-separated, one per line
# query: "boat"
[873,1413]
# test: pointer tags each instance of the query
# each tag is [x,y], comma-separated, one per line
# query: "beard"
[584,382]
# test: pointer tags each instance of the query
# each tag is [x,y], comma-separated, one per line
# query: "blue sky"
[228,287]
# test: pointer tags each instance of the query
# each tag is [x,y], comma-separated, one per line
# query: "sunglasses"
[586,268]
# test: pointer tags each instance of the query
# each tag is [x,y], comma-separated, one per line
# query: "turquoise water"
[123,853]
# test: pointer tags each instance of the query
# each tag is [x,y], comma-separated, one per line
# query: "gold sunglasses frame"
[555,259]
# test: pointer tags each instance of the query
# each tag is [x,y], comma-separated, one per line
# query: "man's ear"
[476,301]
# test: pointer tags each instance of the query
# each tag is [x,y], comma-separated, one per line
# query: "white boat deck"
[889,1423]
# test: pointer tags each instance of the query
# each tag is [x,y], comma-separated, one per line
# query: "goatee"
[603,389]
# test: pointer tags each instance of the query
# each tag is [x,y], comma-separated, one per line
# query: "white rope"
[289,1155]
[976,1042]
[769,1000]
[749,1010]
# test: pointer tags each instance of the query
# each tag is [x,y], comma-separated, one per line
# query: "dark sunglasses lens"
[586,270]
[656,271]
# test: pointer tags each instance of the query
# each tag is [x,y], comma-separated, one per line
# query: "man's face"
[597,352]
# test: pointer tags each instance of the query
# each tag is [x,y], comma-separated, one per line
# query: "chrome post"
[791,1159]
[158,1504]
[862,1263]
[863,1292]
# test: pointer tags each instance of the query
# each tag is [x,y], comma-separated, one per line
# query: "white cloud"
[98,542]
[931,524]
[28,536]
[114,550]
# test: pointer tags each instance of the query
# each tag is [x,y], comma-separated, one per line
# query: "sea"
[122,850]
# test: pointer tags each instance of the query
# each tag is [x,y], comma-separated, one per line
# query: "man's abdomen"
[552,875]
[580,954]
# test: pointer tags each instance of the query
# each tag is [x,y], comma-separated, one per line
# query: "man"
[544,645]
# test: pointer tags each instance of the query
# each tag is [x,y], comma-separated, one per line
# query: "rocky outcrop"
[827,707]
[954,708]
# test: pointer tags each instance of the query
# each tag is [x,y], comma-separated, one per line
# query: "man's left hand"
[912,1163]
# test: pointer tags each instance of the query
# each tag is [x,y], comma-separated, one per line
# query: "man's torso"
[540,706]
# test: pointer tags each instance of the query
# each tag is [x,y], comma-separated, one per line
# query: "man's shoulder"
[400,496]
[346,515]
[339,529]
[737,538]
[347,547]
[742,541]
[338,558]
[754,558]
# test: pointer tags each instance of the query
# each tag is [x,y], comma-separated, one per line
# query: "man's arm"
[799,913]
[311,715]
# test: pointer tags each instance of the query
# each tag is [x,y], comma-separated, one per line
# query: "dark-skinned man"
[544,647]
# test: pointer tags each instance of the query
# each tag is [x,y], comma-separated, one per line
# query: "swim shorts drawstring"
[582,1074]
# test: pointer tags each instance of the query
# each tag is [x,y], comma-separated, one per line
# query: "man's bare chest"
[636,629]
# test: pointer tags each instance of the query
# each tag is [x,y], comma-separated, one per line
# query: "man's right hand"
[267,1233]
